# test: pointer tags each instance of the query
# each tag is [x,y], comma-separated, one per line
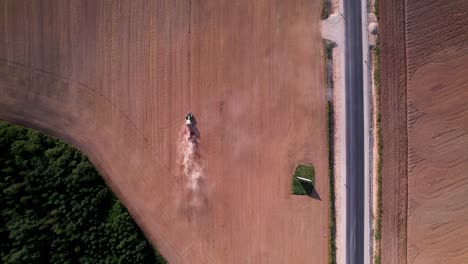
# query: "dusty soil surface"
[435,109]
[339,153]
[335,6]
[393,125]
[437,47]
[115,78]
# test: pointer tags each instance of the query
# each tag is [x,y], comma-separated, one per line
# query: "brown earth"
[393,128]
[115,78]
[437,47]
[436,67]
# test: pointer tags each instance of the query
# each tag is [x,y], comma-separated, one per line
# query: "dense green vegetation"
[376,9]
[325,9]
[55,208]
[328,46]
[331,187]
[328,54]
[304,171]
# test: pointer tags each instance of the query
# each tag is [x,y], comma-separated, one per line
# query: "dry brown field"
[425,46]
[115,78]
[393,127]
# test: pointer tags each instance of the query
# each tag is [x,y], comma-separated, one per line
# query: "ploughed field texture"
[437,73]
[116,78]
[394,131]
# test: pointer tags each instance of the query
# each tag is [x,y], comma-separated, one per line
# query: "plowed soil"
[437,128]
[115,78]
[393,127]
[437,132]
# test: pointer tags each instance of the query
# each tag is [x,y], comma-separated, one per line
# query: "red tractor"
[191,124]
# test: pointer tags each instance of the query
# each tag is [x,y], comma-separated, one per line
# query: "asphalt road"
[354,133]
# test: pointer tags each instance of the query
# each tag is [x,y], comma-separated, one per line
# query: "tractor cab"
[189,119]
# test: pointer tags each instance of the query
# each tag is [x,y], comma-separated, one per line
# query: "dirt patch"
[116,78]
[334,6]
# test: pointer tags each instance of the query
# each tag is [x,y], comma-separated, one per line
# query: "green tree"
[55,208]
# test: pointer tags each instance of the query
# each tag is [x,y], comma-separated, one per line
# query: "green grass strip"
[378,226]
[325,10]
[331,188]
